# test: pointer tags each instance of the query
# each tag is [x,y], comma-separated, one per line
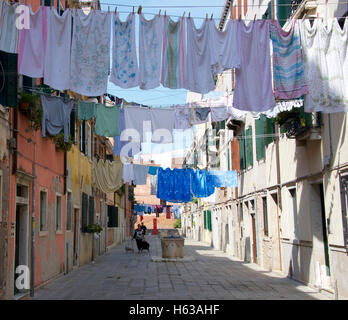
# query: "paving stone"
[211,275]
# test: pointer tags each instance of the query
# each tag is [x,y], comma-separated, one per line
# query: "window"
[249,147]
[112,217]
[43,210]
[209,220]
[293,211]
[84,216]
[265,216]
[89,141]
[68,211]
[58,213]
[91,210]
[83,137]
[205,219]
[344,204]
[73,125]
[260,141]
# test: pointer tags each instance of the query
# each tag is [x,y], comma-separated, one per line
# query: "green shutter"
[209,220]
[91,210]
[228,158]
[269,129]
[306,118]
[260,141]
[283,10]
[249,147]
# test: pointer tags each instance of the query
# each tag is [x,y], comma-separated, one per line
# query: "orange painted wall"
[49,170]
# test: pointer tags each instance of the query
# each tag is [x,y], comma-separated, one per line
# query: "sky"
[162,97]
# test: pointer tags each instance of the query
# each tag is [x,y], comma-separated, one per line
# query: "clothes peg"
[255,17]
[206,16]
[108,8]
[159,13]
[183,14]
[211,18]
[140,9]
[115,9]
[133,10]
[189,15]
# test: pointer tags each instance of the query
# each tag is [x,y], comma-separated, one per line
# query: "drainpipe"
[279,198]
[15,136]
[32,262]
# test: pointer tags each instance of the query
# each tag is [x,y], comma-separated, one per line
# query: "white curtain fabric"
[107,175]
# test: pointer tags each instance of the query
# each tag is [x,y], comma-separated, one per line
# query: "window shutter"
[113,217]
[9,79]
[91,210]
[249,147]
[260,141]
[205,219]
[209,220]
[84,216]
[269,129]
[73,125]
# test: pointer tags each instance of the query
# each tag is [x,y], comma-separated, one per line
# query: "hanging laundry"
[182,185]
[220,113]
[173,58]
[139,207]
[153,170]
[150,50]
[106,123]
[253,91]
[225,53]
[90,52]
[182,117]
[56,115]
[199,76]
[202,113]
[8,31]
[86,110]
[162,124]
[32,46]
[288,69]
[324,53]
[165,184]
[124,56]
[128,173]
[153,185]
[107,175]
[57,57]
[135,120]
[232,179]
[217,178]
[168,215]
[174,185]
[201,187]
[140,174]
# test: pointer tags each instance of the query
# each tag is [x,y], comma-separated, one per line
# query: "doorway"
[76,235]
[323,221]
[21,241]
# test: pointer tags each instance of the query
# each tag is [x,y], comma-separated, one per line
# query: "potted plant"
[25,101]
[61,144]
[94,228]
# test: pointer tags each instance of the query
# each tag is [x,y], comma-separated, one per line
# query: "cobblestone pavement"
[212,275]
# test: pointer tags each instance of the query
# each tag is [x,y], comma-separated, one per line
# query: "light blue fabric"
[201,187]
[85,110]
[232,179]
[153,170]
[217,178]
[56,115]
[106,124]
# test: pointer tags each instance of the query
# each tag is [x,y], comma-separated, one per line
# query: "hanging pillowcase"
[150,50]
[90,53]
[124,57]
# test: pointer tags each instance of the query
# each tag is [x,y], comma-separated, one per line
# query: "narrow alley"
[208,275]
